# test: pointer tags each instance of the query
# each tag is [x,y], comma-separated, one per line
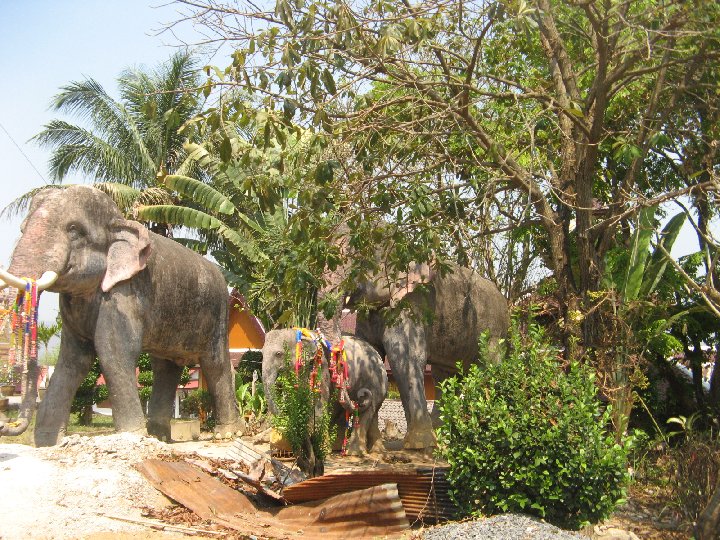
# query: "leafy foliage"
[250,362]
[199,404]
[300,413]
[249,402]
[528,435]
[124,145]
[89,394]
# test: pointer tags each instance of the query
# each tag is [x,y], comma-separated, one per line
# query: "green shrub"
[526,435]
[249,403]
[297,404]
[249,362]
[89,394]
[199,404]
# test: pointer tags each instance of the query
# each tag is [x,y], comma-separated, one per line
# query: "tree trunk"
[714,396]
[696,360]
[86,416]
[708,524]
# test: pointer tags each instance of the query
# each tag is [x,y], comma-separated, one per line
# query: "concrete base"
[185,429]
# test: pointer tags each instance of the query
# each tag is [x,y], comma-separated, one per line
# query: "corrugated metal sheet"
[423,491]
[361,514]
[368,513]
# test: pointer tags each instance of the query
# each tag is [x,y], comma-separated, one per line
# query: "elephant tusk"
[47,279]
[11,280]
[2,284]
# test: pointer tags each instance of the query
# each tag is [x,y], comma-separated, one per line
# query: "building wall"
[244,330]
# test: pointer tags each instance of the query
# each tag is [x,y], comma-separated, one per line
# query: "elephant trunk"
[28,401]
[330,329]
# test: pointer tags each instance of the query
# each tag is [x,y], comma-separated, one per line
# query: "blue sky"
[45,44]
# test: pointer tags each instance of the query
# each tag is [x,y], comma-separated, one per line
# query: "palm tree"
[45,334]
[126,146]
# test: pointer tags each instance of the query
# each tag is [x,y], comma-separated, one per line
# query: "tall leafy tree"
[445,106]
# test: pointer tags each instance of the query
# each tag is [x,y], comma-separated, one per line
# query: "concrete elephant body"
[124,291]
[367,384]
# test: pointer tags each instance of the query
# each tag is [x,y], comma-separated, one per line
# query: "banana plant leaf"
[639,254]
[658,261]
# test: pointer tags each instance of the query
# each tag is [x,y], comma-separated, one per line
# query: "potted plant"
[7,379]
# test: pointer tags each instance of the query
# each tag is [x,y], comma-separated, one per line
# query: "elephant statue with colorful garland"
[355,369]
[422,317]
[123,290]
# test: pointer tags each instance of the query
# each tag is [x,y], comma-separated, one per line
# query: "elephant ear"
[128,252]
[417,274]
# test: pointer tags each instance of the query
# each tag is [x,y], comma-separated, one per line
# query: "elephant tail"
[363,399]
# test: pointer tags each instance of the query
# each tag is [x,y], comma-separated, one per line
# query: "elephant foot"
[377,448]
[419,439]
[355,447]
[48,438]
[159,429]
[230,431]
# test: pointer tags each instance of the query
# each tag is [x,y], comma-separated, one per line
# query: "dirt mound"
[68,491]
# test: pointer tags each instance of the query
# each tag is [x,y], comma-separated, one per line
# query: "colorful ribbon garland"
[24,321]
[339,373]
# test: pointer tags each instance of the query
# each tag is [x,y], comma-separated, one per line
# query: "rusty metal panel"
[368,513]
[423,491]
[194,489]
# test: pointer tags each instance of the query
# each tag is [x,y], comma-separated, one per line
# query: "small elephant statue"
[123,290]
[367,384]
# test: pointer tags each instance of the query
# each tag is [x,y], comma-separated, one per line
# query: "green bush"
[526,435]
[89,394]
[247,402]
[199,404]
[297,404]
[249,362]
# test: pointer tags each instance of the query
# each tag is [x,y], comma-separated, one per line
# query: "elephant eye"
[75,230]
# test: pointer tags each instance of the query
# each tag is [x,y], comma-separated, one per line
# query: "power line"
[23,153]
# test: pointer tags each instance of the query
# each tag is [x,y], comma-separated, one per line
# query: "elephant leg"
[439,374]
[357,444]
[118,344]
[405,346]
[374,437]
[338,424]
[166,377]
[74,363]
[218,374]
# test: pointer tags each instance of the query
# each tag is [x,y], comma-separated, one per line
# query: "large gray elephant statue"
[441,321]
[123,290]
[367,385]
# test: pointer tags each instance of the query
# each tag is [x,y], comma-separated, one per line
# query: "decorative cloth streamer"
[339,373]
[24,320]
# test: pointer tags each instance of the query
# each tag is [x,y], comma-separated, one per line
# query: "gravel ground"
[504,527]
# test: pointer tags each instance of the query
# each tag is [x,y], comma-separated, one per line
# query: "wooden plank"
[206,496]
